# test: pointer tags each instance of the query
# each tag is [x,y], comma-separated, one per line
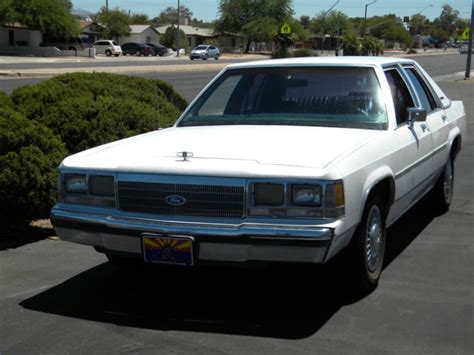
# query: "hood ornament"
[185,155]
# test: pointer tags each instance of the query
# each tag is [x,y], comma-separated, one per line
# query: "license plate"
[170,250]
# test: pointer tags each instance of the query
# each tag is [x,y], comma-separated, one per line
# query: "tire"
[442,193]
[216,57]
[108,53]
[367,248]
[191,58]
[204,58]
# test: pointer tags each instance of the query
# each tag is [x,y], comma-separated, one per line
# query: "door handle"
[444,118]
[424,127]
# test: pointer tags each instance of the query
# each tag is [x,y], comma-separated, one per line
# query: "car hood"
[224,150]
[198,51]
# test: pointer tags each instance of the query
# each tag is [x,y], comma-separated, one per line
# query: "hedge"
[29,156]
[43,123]
[87,110]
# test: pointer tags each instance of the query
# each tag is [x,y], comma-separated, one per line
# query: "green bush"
[29,156]
[5,101]
[412,51]
[304,52]
[43,123]
[87,110]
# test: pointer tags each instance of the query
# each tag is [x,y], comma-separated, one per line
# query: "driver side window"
[400,95]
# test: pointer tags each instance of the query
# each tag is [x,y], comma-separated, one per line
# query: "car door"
[212,51]
[100,47]
[412,162]
[437,119]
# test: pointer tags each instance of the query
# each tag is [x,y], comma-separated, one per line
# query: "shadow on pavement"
[282,301]
[17,236]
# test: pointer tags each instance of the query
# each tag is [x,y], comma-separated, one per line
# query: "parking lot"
[58,297]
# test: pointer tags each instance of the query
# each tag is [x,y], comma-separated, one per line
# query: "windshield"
[200,48]
[305,96]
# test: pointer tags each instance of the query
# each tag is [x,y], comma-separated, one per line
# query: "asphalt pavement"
[58,297]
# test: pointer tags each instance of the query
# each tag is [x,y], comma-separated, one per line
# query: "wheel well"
[386,190]
[455,147]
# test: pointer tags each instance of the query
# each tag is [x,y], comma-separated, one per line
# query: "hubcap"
[448,182]
[374,238]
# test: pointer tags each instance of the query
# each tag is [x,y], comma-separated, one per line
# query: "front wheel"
[367,249]
[216,57]
[108,53]
[442,193]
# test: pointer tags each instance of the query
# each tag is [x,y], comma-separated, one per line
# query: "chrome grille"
[201,200]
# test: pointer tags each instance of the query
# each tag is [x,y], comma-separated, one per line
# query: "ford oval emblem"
[175,200]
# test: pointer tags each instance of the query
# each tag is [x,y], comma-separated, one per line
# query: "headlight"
[101,185]
[268,194]
[75,183]
[302,195]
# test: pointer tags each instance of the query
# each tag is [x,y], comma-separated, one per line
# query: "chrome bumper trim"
[222,242]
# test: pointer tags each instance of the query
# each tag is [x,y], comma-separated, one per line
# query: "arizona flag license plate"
[169,250]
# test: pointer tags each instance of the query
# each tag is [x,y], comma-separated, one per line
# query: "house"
[141,34]
[194,35]
[227,42]
[14,35]
[91,30]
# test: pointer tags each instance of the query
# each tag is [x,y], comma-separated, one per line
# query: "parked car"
[158,49]
[269,165]
[107,47]
[72,44]
[204,51]
[464,48]
[137,49]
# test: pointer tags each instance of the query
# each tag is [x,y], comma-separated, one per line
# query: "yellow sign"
[465,34]
[285,29]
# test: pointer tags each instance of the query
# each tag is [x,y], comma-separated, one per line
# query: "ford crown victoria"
[291,160]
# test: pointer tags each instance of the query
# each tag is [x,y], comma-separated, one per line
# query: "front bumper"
[232,242]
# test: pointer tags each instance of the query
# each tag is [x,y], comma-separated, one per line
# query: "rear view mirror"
[416,114]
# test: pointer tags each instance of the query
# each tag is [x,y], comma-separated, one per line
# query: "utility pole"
[365,17]
[469,45]
[324,19]
[177,36]
[107,5]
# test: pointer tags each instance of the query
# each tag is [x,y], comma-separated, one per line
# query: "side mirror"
[416,114]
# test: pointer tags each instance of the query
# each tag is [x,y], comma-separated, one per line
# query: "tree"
[444,27]
[117,22]
[6,11]
[168,39]
[305,21]
[235,15]
[388,27]
[139,19]
[334,24]
[52,17]
[419,24]
[169,16]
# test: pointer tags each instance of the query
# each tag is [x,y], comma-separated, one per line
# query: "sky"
[207,9]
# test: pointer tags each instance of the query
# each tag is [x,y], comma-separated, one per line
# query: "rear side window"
[427,100]
[400,95]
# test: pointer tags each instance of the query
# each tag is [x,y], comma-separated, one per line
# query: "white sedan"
[290,160]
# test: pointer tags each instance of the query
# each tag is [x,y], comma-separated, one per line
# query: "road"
[58,297]
[189,83]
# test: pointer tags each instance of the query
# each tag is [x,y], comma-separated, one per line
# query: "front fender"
[374,178]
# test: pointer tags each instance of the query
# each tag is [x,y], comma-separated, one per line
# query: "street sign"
[465,34]
[285,29]
[406,19]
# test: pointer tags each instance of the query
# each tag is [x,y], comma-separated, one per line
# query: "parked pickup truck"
[291,160]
